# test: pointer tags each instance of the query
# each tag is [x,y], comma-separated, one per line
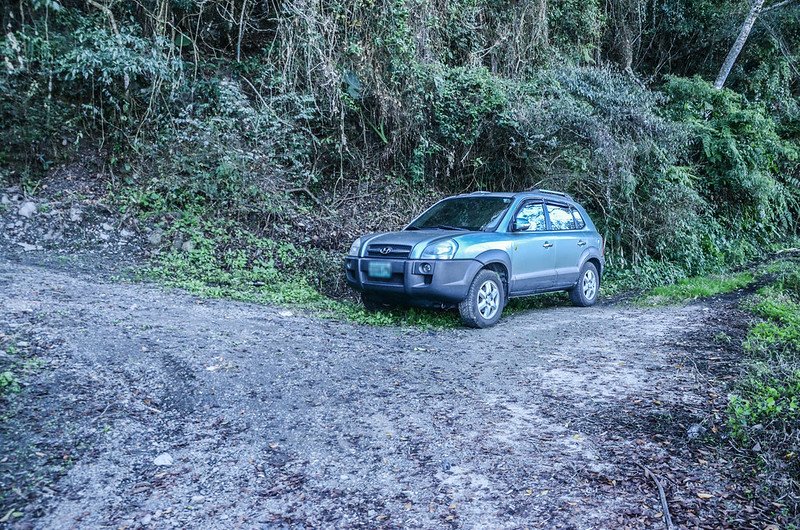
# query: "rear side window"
[579,222]
[560,218]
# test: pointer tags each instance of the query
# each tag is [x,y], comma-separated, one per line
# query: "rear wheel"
[484,302]
[585,291]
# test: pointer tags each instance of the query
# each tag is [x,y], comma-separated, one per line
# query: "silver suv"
[479,250]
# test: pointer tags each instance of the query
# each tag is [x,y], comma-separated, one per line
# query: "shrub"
[742,162]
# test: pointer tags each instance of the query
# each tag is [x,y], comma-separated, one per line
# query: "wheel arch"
[597,265]
[595,258]
[499,262]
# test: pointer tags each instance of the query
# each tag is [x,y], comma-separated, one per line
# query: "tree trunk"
[755,9]
[241,33]
[624,33]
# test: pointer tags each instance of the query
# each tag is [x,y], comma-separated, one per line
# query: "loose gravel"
[151,408]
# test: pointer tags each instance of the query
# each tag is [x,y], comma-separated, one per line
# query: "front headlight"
[441,250]
[355,248]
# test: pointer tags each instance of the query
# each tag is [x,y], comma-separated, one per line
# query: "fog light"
[425,268]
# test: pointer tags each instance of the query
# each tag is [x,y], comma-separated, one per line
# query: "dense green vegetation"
[304,124]
[8,382]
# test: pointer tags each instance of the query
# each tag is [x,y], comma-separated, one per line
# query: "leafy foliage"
[743,162]
[764,410]
[288,118]
[8,382]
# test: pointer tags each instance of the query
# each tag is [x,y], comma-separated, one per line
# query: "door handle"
[581,243]
[547,244]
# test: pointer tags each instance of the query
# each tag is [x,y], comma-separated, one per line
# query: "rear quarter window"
[579,222]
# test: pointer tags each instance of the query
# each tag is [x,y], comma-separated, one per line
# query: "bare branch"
[778,5]
[108,13]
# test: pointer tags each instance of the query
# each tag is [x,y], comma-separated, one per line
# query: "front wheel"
[585,291]
[484,302]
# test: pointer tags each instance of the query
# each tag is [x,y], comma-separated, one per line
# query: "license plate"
[379,269]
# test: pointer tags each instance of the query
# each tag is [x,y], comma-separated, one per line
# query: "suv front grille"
[388,251]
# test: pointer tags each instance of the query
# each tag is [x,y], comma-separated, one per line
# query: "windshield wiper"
[438,227]
[450,227]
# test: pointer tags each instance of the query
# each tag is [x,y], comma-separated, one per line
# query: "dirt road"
[265,418]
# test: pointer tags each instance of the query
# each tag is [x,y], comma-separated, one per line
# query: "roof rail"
[480,192]
[551,192]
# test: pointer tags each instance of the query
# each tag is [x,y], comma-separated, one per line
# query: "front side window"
[560,217]
[532,214]
[463,213]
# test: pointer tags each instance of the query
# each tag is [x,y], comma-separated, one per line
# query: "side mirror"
[520,225]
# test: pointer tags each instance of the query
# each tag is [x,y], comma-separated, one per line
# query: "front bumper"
[447,282]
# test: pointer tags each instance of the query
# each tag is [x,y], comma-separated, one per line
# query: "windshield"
[463,213]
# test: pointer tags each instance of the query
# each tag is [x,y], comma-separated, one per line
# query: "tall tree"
[756,8]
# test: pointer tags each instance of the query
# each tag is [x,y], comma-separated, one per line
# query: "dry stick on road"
[662,496]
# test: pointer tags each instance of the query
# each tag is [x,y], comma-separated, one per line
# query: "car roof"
[535,193]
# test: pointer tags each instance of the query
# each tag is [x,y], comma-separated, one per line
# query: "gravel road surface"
[149,408]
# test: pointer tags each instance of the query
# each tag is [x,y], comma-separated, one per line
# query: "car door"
[532,256]
[567,241]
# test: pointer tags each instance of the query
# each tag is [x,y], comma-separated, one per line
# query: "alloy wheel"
[488,299]
[589,284]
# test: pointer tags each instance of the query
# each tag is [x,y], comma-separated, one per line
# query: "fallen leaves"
[11,513]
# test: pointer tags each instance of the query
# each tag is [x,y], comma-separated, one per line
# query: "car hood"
[411,238]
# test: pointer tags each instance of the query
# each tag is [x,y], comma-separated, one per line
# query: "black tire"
[373,302]
[583,294]
[474,316]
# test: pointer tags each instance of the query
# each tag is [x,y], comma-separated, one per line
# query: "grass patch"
[261,282]
[688,289]
[539,301]
[779,328]
[766,399]
[764,406]
[778,307]
[204,274]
